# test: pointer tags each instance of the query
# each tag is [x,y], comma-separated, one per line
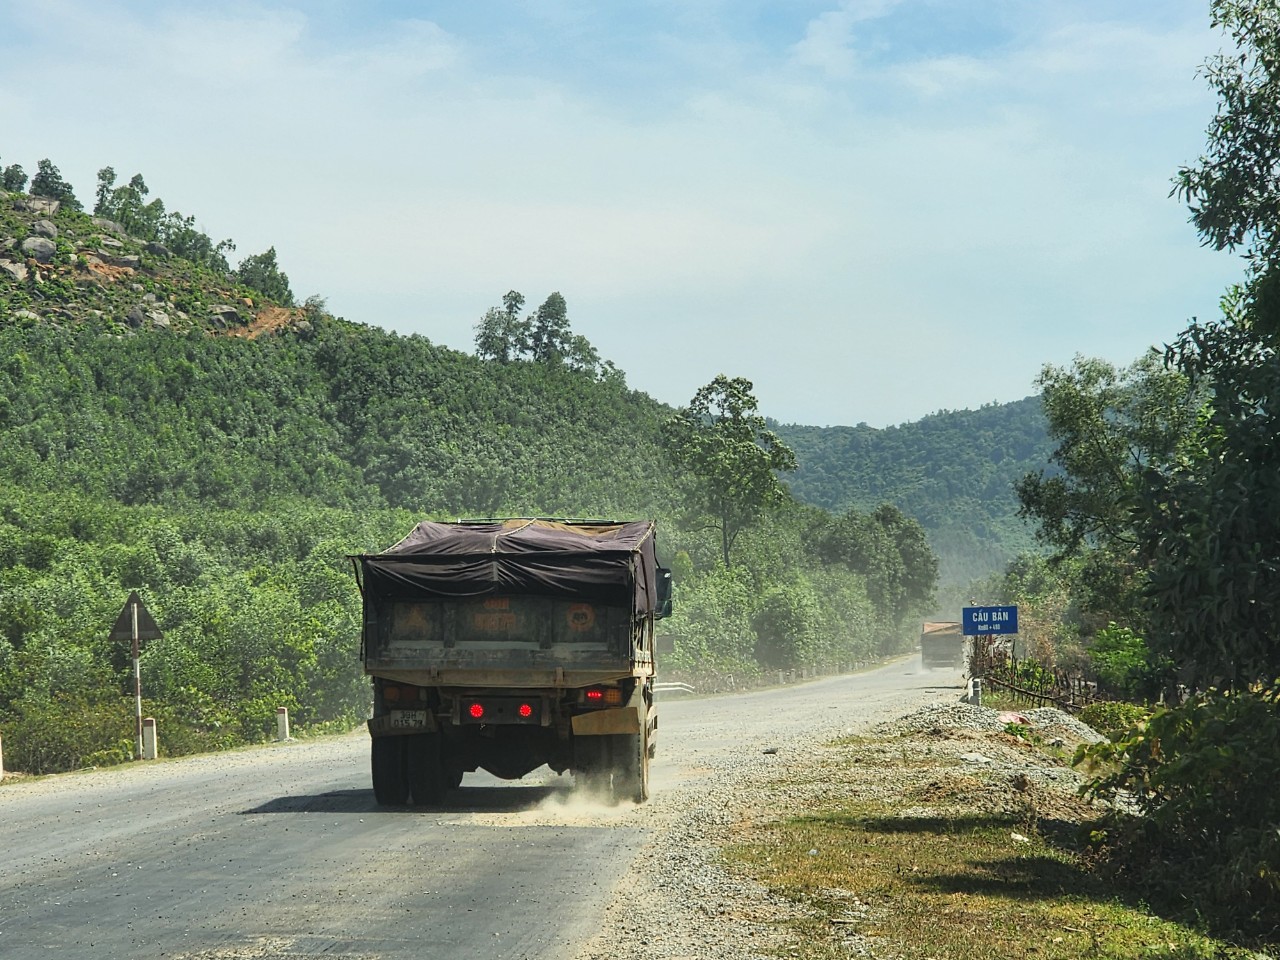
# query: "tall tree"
[549,337]
[1212,525]
[48,182]
[260,272]
[1108,424]
[127,205]
[102,196]
[731,456]
[891,552]
[501,334]
[14,178]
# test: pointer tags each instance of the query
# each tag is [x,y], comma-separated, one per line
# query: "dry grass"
[901,849]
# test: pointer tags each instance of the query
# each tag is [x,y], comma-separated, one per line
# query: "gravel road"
[281,852]
[720,755]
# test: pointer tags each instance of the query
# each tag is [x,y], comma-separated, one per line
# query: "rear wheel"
[425,773]
[390,783]
[631,775]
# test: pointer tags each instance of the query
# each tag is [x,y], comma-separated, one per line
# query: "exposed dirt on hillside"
[268,320]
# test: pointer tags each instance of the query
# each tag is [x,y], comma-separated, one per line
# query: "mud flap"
[599,723]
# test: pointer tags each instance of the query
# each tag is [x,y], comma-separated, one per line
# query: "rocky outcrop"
[43,205]
[223,315]
[102,223]
[81,268]
[118,260]
[40,249]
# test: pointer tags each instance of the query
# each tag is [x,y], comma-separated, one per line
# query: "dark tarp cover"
[609,562]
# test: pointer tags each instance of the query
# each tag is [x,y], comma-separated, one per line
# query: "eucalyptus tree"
[731,458]
[502,334]
[48,182]
[261,272]
[549,334]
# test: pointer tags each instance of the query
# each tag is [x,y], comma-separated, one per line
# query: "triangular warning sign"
[123,627]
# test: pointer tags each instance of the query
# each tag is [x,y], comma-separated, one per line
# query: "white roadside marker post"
[150,741]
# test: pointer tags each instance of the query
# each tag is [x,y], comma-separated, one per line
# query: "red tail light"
[595,694]
[497,710]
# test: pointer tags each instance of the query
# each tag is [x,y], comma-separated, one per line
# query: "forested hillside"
[953,471]
[173,425]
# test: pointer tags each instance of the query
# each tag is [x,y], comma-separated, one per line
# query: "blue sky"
[872,209]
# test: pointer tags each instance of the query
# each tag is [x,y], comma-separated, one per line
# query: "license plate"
[408,718]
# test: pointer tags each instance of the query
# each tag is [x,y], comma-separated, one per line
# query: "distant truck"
[507,644]
[943,644]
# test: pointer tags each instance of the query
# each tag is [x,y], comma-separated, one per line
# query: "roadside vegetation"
[226,467]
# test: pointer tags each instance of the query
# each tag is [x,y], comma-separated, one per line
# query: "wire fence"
[1028,681]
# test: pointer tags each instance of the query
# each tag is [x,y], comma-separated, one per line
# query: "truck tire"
[425,772]
[390,784]
[631,773]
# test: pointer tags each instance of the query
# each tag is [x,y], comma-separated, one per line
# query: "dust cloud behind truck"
[507,644]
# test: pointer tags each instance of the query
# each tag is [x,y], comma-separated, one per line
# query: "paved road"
[281,851]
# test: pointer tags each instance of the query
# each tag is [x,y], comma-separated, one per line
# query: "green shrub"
[1113,718]
[1203,779]
[121,752]
[195,725]
[51,736]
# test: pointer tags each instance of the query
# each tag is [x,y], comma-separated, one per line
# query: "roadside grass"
[950,866]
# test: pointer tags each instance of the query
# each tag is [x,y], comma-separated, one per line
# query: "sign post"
[136,624]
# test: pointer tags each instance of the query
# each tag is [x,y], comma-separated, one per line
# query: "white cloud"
[828,44]
[859,236]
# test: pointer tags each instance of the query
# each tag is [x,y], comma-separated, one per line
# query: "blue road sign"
[981,621]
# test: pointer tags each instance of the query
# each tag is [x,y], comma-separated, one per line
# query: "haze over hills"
[952,471]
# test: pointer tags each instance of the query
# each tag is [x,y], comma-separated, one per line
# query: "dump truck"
[506,644]
[943,644]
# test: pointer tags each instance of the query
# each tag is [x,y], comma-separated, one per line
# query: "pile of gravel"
[1047,721]
[1056,721]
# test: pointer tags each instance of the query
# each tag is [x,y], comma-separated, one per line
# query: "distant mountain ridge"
[953,471]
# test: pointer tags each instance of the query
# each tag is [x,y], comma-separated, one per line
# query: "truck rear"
[508,644]
[943,644]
